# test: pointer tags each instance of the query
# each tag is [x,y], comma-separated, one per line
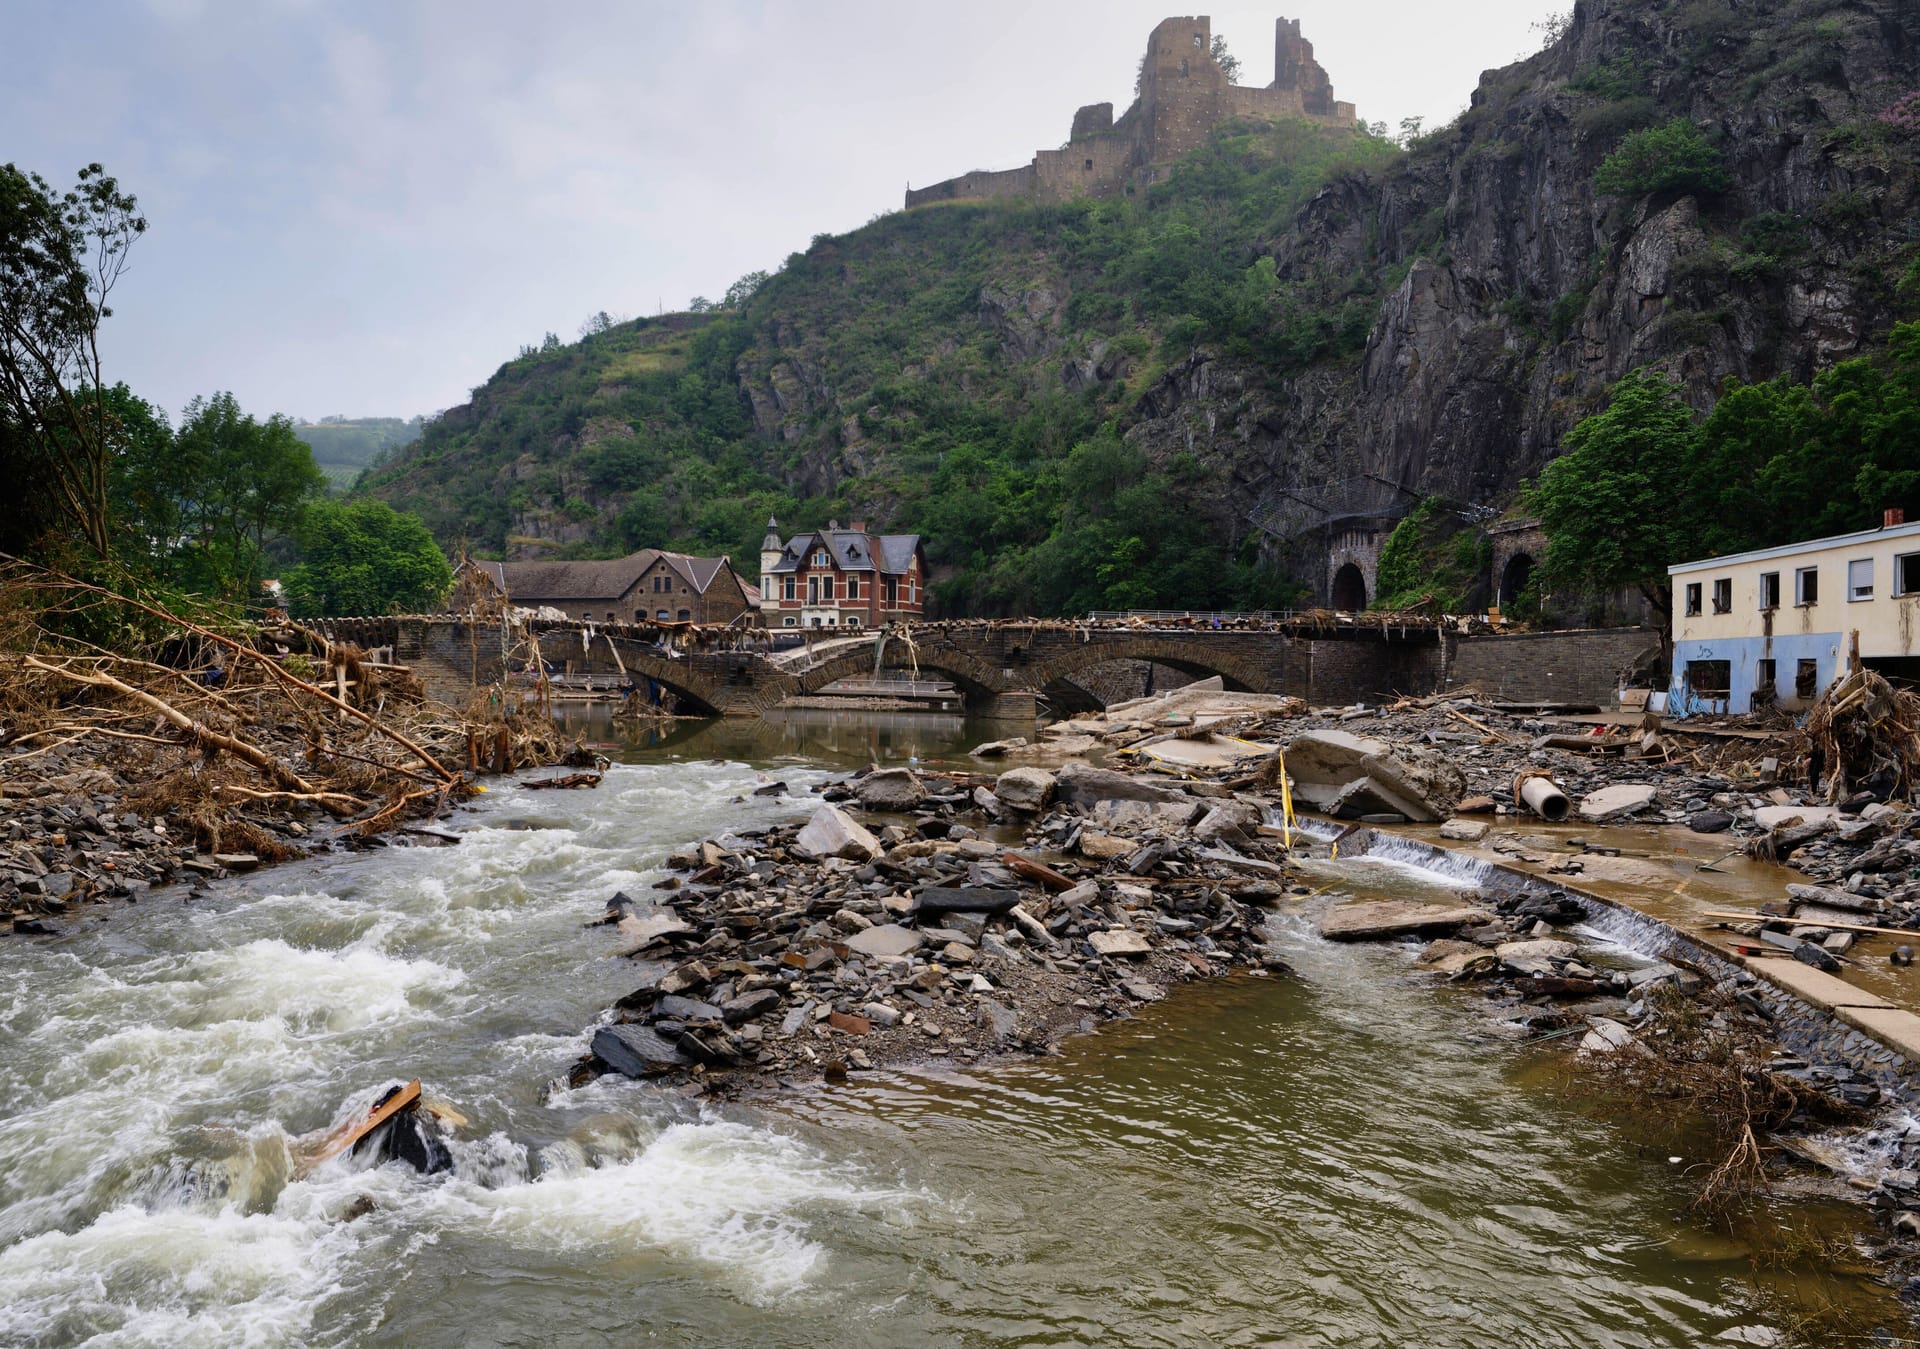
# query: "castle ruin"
[1183,96]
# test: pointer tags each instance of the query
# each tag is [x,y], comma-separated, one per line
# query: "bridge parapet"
[1002,667]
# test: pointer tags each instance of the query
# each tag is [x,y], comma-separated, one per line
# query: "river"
[1343,1157]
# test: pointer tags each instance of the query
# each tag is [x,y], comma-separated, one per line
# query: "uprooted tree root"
[218,721]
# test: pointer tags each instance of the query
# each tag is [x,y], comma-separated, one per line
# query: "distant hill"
[342,446]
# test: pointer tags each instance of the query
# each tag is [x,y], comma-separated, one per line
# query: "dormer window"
[820,558]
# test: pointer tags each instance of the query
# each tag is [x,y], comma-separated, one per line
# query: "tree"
[365,558]
[1671,158]
[1229,63]
[243,480]
[744,289]
[1617,507]
[60,257]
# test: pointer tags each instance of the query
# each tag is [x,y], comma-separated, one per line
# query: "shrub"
[1622,77]
[1605,121]
[1675,157]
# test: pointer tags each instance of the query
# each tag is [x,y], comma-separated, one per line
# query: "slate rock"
[939,899]
[749,1005]
[635,1051]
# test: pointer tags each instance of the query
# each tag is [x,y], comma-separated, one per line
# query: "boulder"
[1229,821]
[1612,803]
[994,749]
[679,1007]
[1104,847]
[1358,775]
[1545,948]
[890,789]
[889,941]
[832,833]
[1116,813]
[1710,822]
[1084,786]
[1371,919]
[1024,789]
[636,1051]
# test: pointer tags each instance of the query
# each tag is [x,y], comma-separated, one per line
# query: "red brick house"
[841,578]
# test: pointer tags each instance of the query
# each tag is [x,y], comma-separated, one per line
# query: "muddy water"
[1338,1158]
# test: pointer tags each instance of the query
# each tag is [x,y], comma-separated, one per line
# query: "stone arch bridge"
[1003,668]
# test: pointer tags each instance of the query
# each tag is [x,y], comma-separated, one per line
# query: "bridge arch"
[976,680]
[1199,658]
[695,692]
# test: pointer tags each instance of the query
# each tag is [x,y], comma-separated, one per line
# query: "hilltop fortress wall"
[1184,95]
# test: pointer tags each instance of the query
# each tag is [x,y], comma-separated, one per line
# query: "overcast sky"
[364,208]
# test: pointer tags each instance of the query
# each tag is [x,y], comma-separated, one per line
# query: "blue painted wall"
[1744,655]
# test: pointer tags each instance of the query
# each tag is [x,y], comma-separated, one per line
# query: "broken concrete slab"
[1616,802]
[1464,831]
[1372,919]
[1405,780]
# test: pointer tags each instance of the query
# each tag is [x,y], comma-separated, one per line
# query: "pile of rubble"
[812,949]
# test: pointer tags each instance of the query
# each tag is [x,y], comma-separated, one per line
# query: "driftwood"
[197,732]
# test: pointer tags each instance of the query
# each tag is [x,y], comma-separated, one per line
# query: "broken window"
[1906,574]
[1693,599]
[1089,166]
[1806,586]
[1769,590]
[1710,678]
[1806,679]
[1763,677]
[1723,595]
[1860,579]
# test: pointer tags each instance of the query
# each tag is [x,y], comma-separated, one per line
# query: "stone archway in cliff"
[1514,578]
[1349,592]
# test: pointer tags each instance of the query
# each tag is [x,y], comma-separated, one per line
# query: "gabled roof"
[850,550]
[605,580]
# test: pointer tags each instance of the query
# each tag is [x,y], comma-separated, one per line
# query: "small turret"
[771,544]
[770,550]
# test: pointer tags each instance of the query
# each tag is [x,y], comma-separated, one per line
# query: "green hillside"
[642,435]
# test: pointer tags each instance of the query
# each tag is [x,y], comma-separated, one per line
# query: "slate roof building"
[648,585]
[841,578]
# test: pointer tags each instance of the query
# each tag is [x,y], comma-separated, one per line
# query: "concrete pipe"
[1545,799]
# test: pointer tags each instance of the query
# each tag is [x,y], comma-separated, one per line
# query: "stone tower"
[1184,95]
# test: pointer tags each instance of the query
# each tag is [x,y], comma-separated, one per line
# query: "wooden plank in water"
[348,1134]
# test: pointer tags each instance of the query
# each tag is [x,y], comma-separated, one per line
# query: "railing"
[1192,615]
